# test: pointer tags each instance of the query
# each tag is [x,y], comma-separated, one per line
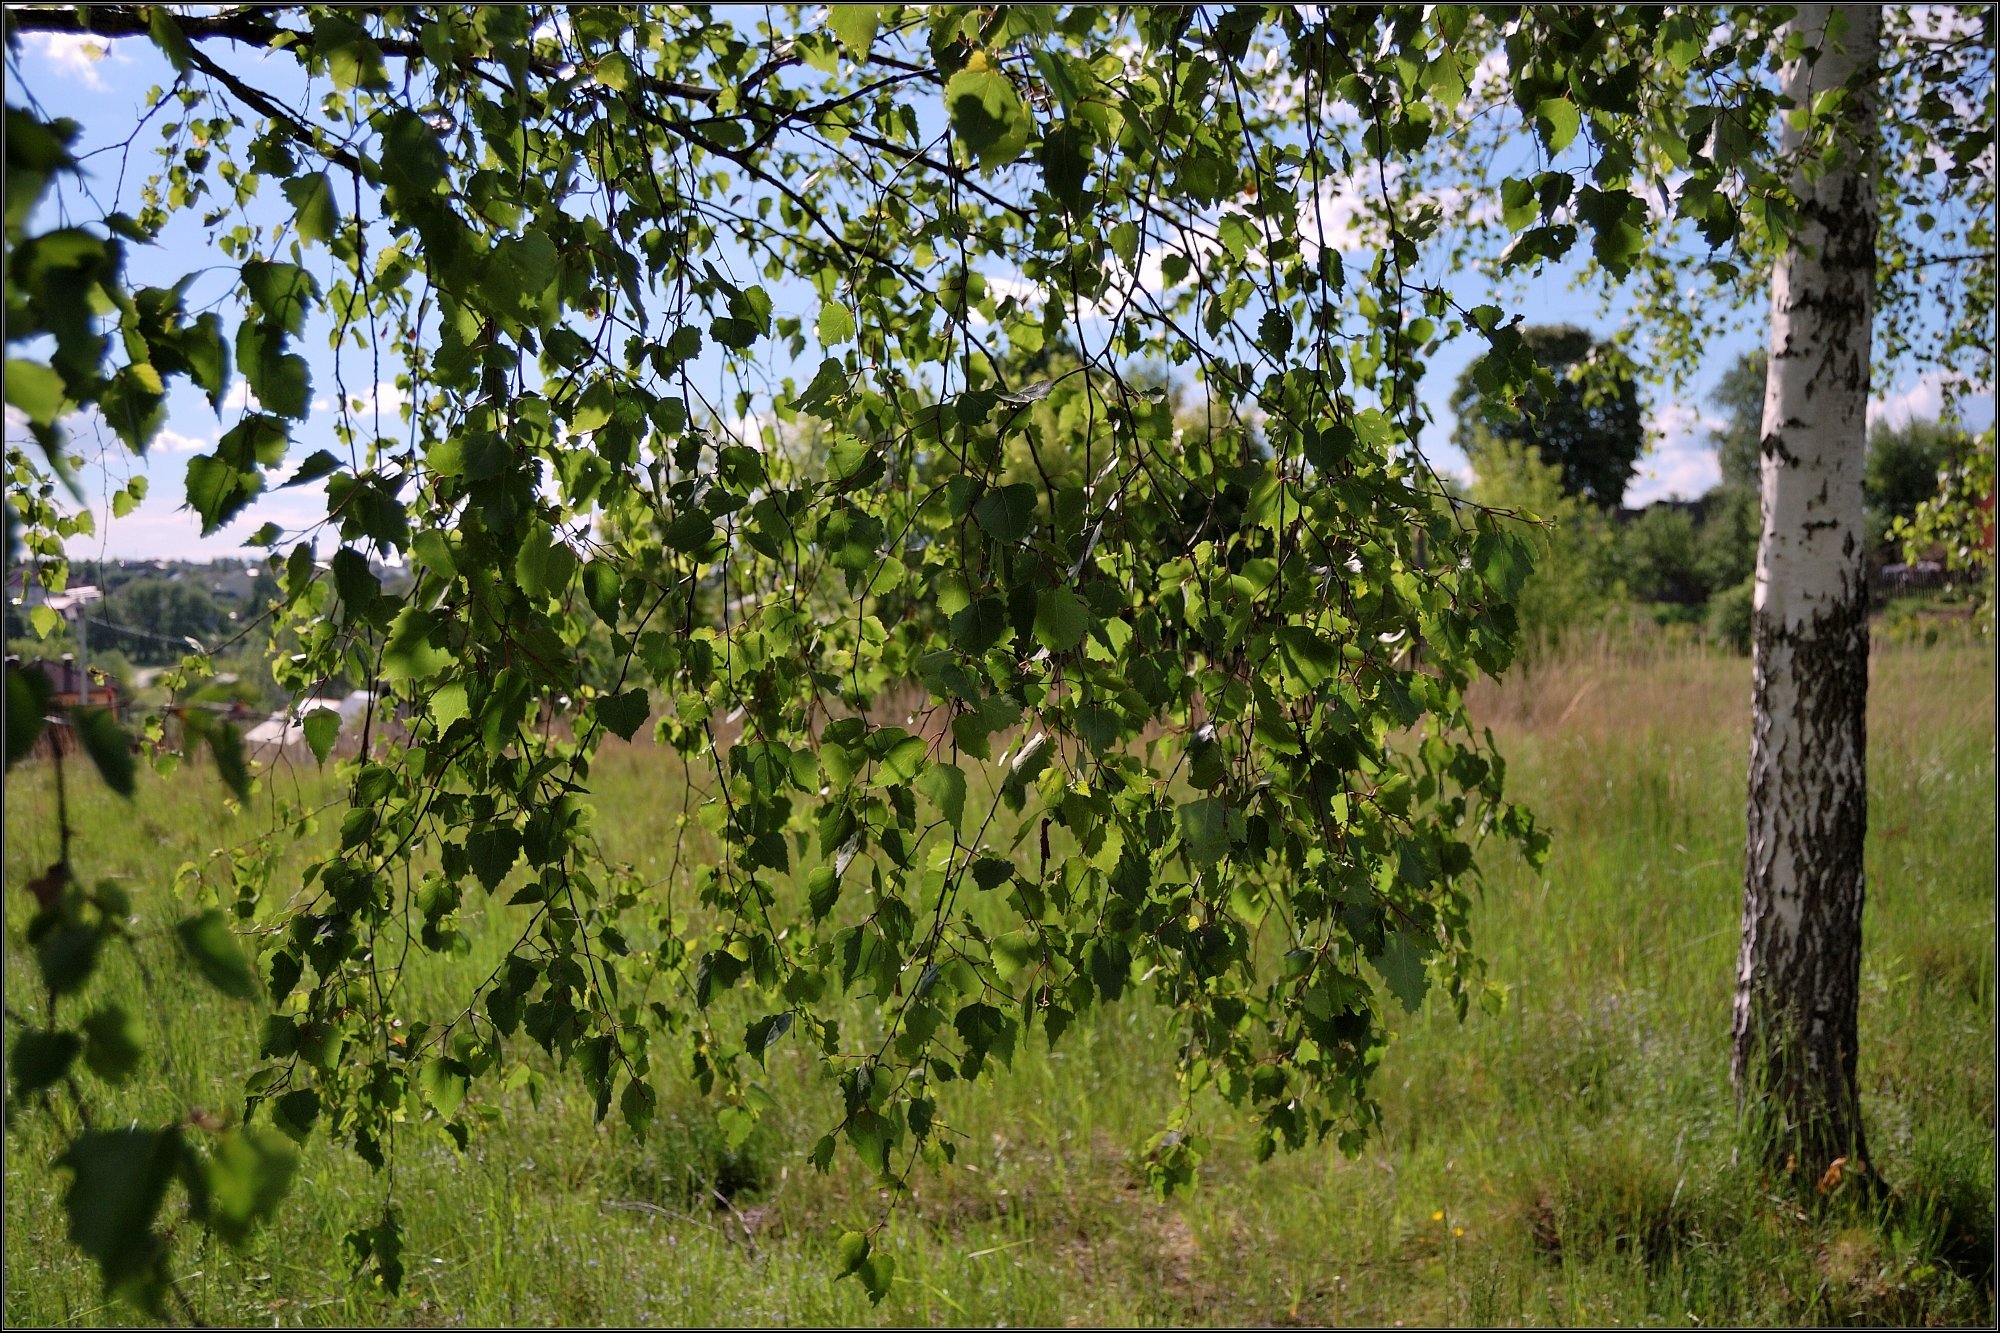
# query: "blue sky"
[102,84]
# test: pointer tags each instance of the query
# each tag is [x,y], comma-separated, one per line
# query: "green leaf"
[119,1178]
[980,626]
[210,942]
[109,748]
[1274,332]
[601,588]
[352,57]
[312,197]
[36,389]
[444,1083]
[905,759]
[855,26]
[1014,951]
[624,713]
[1065,157]
[594,407]
[225,746]
[67,956]
[853,1250]
[1205,761]
[1559,122]
[27,706]
[822,891]
[39,1059]
[1618,226]
[112,1043]
[876,1272]
[759,1036]
[638,1104]
[295,1112]
[987,116]
[544,564]
[382,1246]
[283,292]
[689,532]
[944,785]
[280,379]
[1519,204]
[1504,561]
[1008,513]
[836,323]
[217,490]
[984,1030]
[1401,964]
[167,35]
[245,1179]
[737,1125]
[1061,619]
[134,404]
[1205,830]
[828,384]
[1055,69]
[411,651]
[127,497]
[322,727]
[868,1135]
[492,852]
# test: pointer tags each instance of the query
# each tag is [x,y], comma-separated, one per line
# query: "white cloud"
[173,442]
[384,398]
[749,429]
[1332,215]
[71,55]
[1001,286]
[1027,293]
[1924,399]
[240,399]
[1489,76]
[1681,461]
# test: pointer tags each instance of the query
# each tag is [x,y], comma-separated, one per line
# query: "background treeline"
[1568,450]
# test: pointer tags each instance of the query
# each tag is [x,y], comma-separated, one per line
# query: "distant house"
[66,682]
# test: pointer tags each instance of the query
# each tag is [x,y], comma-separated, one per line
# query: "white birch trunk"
[1798,974]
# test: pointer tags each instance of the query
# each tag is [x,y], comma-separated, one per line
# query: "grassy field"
[1570,1160]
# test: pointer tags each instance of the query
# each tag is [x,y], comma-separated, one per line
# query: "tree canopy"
[1581,412]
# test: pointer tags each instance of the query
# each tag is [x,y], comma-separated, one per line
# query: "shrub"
[1729,615]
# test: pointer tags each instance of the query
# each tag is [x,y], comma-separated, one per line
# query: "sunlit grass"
[1570,1160]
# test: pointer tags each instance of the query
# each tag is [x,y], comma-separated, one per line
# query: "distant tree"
[1659,556]
[169,610]
[1740,396]
[1730,519]
[1955,522]
[1726,553]
[1903,466]
[1582,413]
[1574,578]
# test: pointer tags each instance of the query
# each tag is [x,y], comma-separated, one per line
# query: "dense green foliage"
[1906,463]
[1578,1142]
[1693,562]
[1581,413]
[166,610]
[974,748]
[1575,583]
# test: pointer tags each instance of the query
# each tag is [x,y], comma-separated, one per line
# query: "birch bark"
[1798,973]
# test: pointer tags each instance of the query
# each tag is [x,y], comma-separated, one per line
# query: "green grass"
[1570,1160]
